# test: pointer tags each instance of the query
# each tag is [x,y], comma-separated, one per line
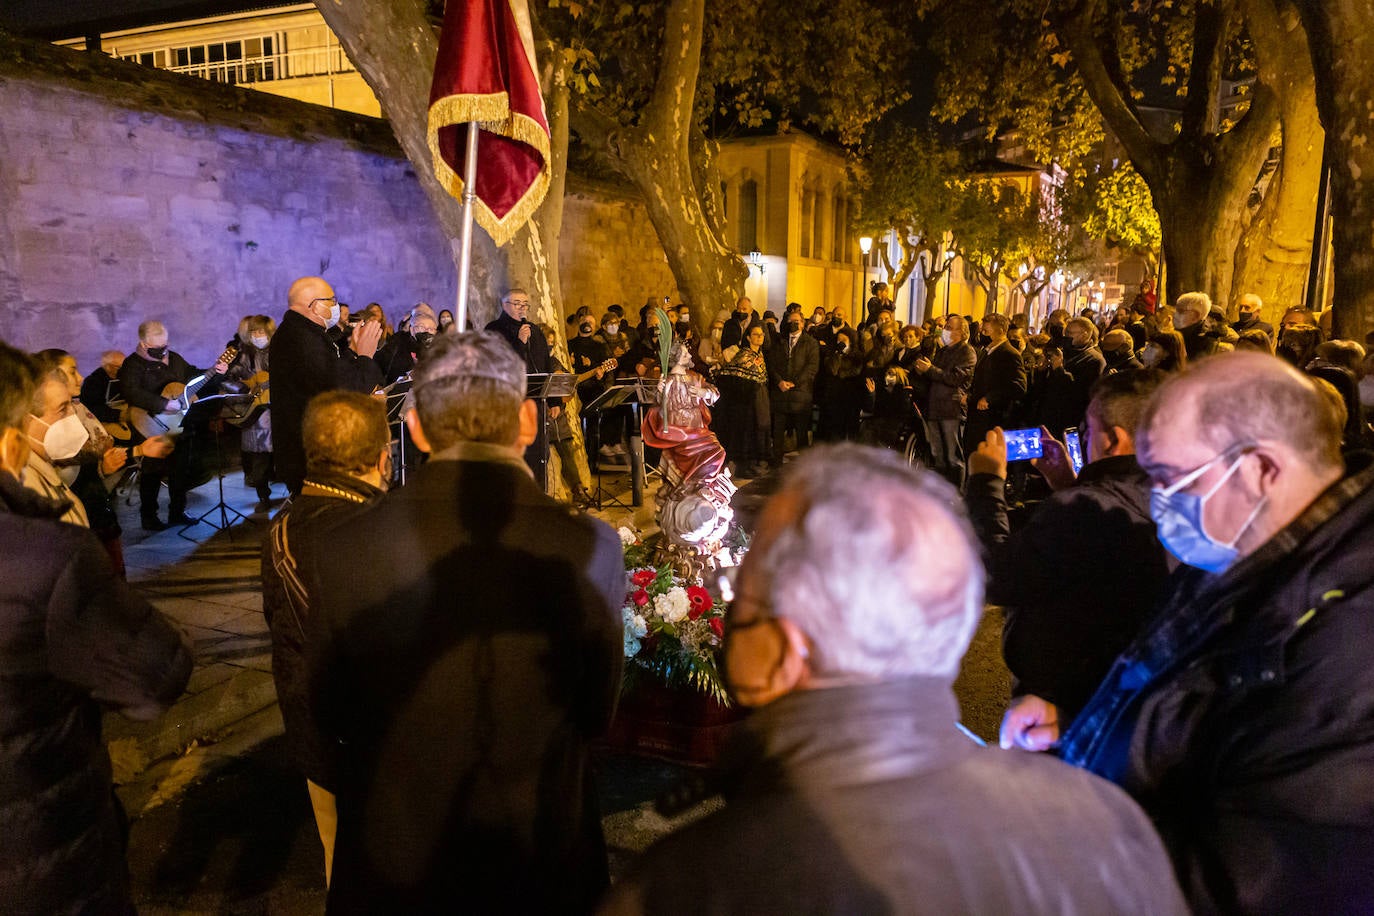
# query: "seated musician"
[102,386]
[143,378]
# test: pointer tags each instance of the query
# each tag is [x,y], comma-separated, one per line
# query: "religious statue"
[694,511]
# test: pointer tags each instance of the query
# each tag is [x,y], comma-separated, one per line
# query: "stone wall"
[608,251]
[128,194]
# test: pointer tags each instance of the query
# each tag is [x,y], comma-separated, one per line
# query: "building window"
[749,215]
[817,226]
[807,209]
[843,252]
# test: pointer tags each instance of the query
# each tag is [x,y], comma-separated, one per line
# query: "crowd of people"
[1186,610]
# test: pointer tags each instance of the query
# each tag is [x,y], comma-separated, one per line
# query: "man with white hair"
[1191,319]
[462,666]
[1242,717]
[854,790]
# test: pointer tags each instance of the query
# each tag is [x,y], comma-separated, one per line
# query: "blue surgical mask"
[333,315]
[1178,517]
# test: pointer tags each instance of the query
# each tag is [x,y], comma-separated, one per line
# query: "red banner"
[486,73]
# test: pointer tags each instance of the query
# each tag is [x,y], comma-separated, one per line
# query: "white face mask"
[946,338]
[260,341]
[64,438]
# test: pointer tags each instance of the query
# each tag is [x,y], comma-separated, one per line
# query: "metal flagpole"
[465,241]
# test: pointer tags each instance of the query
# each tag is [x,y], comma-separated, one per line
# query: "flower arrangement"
[672,629]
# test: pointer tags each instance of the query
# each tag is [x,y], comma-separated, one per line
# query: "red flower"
[644,577]
[640,598]
[700,600]
[718,626]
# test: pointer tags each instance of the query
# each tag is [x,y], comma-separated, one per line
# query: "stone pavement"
[207,581]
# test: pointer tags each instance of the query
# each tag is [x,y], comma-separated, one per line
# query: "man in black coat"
[464,668]
[793,362]
[1248,309]
[305,362]
[850,788]
[1242,717]
[741,319]
[950,373]
[74,641]
[348,465]
[999,383]
[1079,580]
[142,377]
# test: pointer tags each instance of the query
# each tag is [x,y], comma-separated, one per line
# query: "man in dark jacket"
[348,464]
[1242,718]
[306,362]
[851,789]
[1118,350]
[529,343]
[793,362]
[741,319]
[1079,580]
[950,374]
[999,383]
[1192,320]
[142,377]
[463,669]
[1248,309]
[74,640]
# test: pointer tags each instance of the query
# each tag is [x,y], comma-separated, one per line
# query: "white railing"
[298,62]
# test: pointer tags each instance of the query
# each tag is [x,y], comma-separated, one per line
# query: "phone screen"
[1023,444]
[1075,449]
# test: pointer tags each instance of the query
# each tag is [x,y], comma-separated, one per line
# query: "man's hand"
[991,456]
[220,368]
[157,447]
[981,405]
[1030,724]
[365,338]
[113,460]
[555,412]
[870,385]
[786,386]
[922,365]
[1053,463]
[173,406]
[524,333]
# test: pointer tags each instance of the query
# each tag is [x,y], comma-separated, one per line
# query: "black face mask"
[585,330]
[740,316]
[157,352]
[424,339]
[837,322]
[793,327]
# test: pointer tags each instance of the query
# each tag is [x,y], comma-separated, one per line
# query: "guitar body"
[151,425]
[169,423]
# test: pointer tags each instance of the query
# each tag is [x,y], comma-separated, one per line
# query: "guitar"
[169,423]
[606,366]
[258,395]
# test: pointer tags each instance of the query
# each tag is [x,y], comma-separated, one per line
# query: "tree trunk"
[393,45]
[656,155]
[1275,251]
[1342,45]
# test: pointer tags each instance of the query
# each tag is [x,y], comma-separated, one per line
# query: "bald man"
[306,362]
[1248,311]
[1242,718]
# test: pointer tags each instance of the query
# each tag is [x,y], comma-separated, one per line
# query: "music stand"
[635,395]
[201,412]
[397,402]
[540,387]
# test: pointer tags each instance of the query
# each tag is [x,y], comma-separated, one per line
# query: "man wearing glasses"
[306,362]
[1242,718]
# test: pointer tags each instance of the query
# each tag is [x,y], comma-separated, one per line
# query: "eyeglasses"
[332,300]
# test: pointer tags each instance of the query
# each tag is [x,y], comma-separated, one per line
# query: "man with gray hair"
[464,663]
[854,790]
[1242,717]
[1192,320]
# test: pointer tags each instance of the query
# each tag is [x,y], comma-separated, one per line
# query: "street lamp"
[756,260]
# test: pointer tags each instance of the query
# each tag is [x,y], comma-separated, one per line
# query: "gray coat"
[866,799]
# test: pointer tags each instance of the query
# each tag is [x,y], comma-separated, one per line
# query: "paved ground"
[220,825]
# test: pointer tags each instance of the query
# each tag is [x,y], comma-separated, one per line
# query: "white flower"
[627,536]
[638,626]
[672,606]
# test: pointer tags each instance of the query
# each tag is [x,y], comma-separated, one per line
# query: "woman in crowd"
[742,415]
[709,350]
[249,369]
[445,321]
[1256,341]
[840,399]
[1165,351]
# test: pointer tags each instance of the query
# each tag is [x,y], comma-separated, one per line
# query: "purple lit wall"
[128,194]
